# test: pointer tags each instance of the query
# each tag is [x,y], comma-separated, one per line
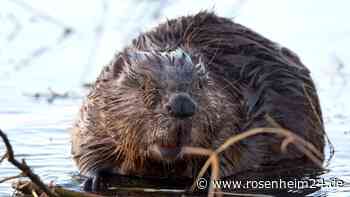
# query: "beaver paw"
[98,181]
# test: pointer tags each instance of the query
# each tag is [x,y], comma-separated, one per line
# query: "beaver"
[194,81]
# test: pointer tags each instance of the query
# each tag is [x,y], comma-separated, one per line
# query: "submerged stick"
[27,188]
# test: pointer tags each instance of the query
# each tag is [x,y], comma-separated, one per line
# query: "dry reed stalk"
[213,160]
[304,146]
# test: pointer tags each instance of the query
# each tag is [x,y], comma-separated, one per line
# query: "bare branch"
[11,177]
[27,188]
[3,157]
[24,167]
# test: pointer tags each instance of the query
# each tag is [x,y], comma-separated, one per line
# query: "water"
[53,45]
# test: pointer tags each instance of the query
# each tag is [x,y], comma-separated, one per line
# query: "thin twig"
[27,187]
[16,29]
[3,157]
[11,177]
[213,160]
[24,167]
[306,147]
[306,143]
[34,193]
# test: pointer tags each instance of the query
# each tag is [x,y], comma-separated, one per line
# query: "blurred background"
[50,49]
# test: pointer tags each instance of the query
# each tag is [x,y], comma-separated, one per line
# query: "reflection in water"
[289,179]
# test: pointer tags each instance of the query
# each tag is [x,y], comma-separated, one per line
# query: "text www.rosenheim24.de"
[203,183]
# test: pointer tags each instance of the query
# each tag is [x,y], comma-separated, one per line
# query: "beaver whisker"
[95,163]
[88,163]
[102,141]
[95,151]
[100,150]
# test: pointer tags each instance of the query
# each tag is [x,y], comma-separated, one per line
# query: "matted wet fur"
[194,81]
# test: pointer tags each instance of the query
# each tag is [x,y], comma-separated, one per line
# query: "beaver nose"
[181,106]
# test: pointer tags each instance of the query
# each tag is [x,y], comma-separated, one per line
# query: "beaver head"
[161,102]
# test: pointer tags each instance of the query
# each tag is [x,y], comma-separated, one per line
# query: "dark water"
[51,44]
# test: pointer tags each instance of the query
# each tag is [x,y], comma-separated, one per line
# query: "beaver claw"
[98,181]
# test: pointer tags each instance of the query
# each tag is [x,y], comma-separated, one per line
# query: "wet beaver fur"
[194,81]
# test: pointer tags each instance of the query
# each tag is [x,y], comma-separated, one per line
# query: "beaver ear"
[113,69]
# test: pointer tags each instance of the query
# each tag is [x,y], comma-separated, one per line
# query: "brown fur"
[235,76]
